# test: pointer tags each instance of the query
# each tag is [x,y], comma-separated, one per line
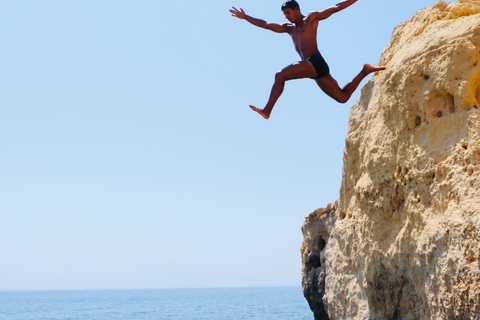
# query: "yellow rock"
[406,242]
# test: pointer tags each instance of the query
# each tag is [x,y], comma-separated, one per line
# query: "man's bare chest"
[304,33]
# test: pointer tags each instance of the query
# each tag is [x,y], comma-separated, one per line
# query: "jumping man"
[303,30]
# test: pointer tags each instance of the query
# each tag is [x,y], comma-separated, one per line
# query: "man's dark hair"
[292,4]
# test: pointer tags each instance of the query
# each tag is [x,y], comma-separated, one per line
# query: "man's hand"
[240,14]
[236,13]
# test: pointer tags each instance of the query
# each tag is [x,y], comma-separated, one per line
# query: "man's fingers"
[237,13]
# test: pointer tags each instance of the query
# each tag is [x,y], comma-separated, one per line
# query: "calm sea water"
[285,303]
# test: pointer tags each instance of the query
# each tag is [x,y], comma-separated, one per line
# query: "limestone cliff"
[403,240]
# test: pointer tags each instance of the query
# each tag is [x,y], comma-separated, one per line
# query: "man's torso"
[305,37]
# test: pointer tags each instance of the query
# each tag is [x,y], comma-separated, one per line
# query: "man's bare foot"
[368,68]
[260,112]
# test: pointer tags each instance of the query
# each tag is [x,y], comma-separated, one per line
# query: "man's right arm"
[280,28]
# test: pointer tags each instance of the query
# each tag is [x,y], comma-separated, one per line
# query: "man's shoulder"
[288,26]
[311,16]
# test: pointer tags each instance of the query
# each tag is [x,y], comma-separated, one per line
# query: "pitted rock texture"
[316,231]
[406,244]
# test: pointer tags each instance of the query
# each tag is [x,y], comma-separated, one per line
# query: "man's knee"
[279,76]
[342,99]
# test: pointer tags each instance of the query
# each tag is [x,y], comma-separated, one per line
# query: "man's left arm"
[324,14]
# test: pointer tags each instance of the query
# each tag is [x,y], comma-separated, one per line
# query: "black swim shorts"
[320,65]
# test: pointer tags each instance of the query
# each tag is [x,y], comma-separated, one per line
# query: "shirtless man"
[303,30]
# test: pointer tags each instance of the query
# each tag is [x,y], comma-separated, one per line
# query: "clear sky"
[129,156]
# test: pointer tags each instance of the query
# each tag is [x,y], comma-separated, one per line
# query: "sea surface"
[276,303]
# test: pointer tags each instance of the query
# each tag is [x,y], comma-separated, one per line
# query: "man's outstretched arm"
[240,14]
[322,15]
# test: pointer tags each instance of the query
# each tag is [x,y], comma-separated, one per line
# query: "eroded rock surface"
[406,244]
[316,231]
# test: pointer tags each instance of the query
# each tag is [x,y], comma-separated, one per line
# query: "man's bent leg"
[298,70]
[331,88]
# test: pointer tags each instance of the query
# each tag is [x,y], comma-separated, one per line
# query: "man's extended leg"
[331,88]
[298,70]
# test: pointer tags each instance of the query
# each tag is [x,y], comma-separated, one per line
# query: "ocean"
[276,303]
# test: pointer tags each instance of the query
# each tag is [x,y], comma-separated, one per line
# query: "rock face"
[403,240]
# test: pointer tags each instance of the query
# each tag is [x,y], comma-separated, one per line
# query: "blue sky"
[130,158]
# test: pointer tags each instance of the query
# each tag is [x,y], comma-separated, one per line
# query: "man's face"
[290,14]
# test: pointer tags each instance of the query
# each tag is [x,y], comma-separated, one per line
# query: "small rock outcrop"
[316,231]
[403,240]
